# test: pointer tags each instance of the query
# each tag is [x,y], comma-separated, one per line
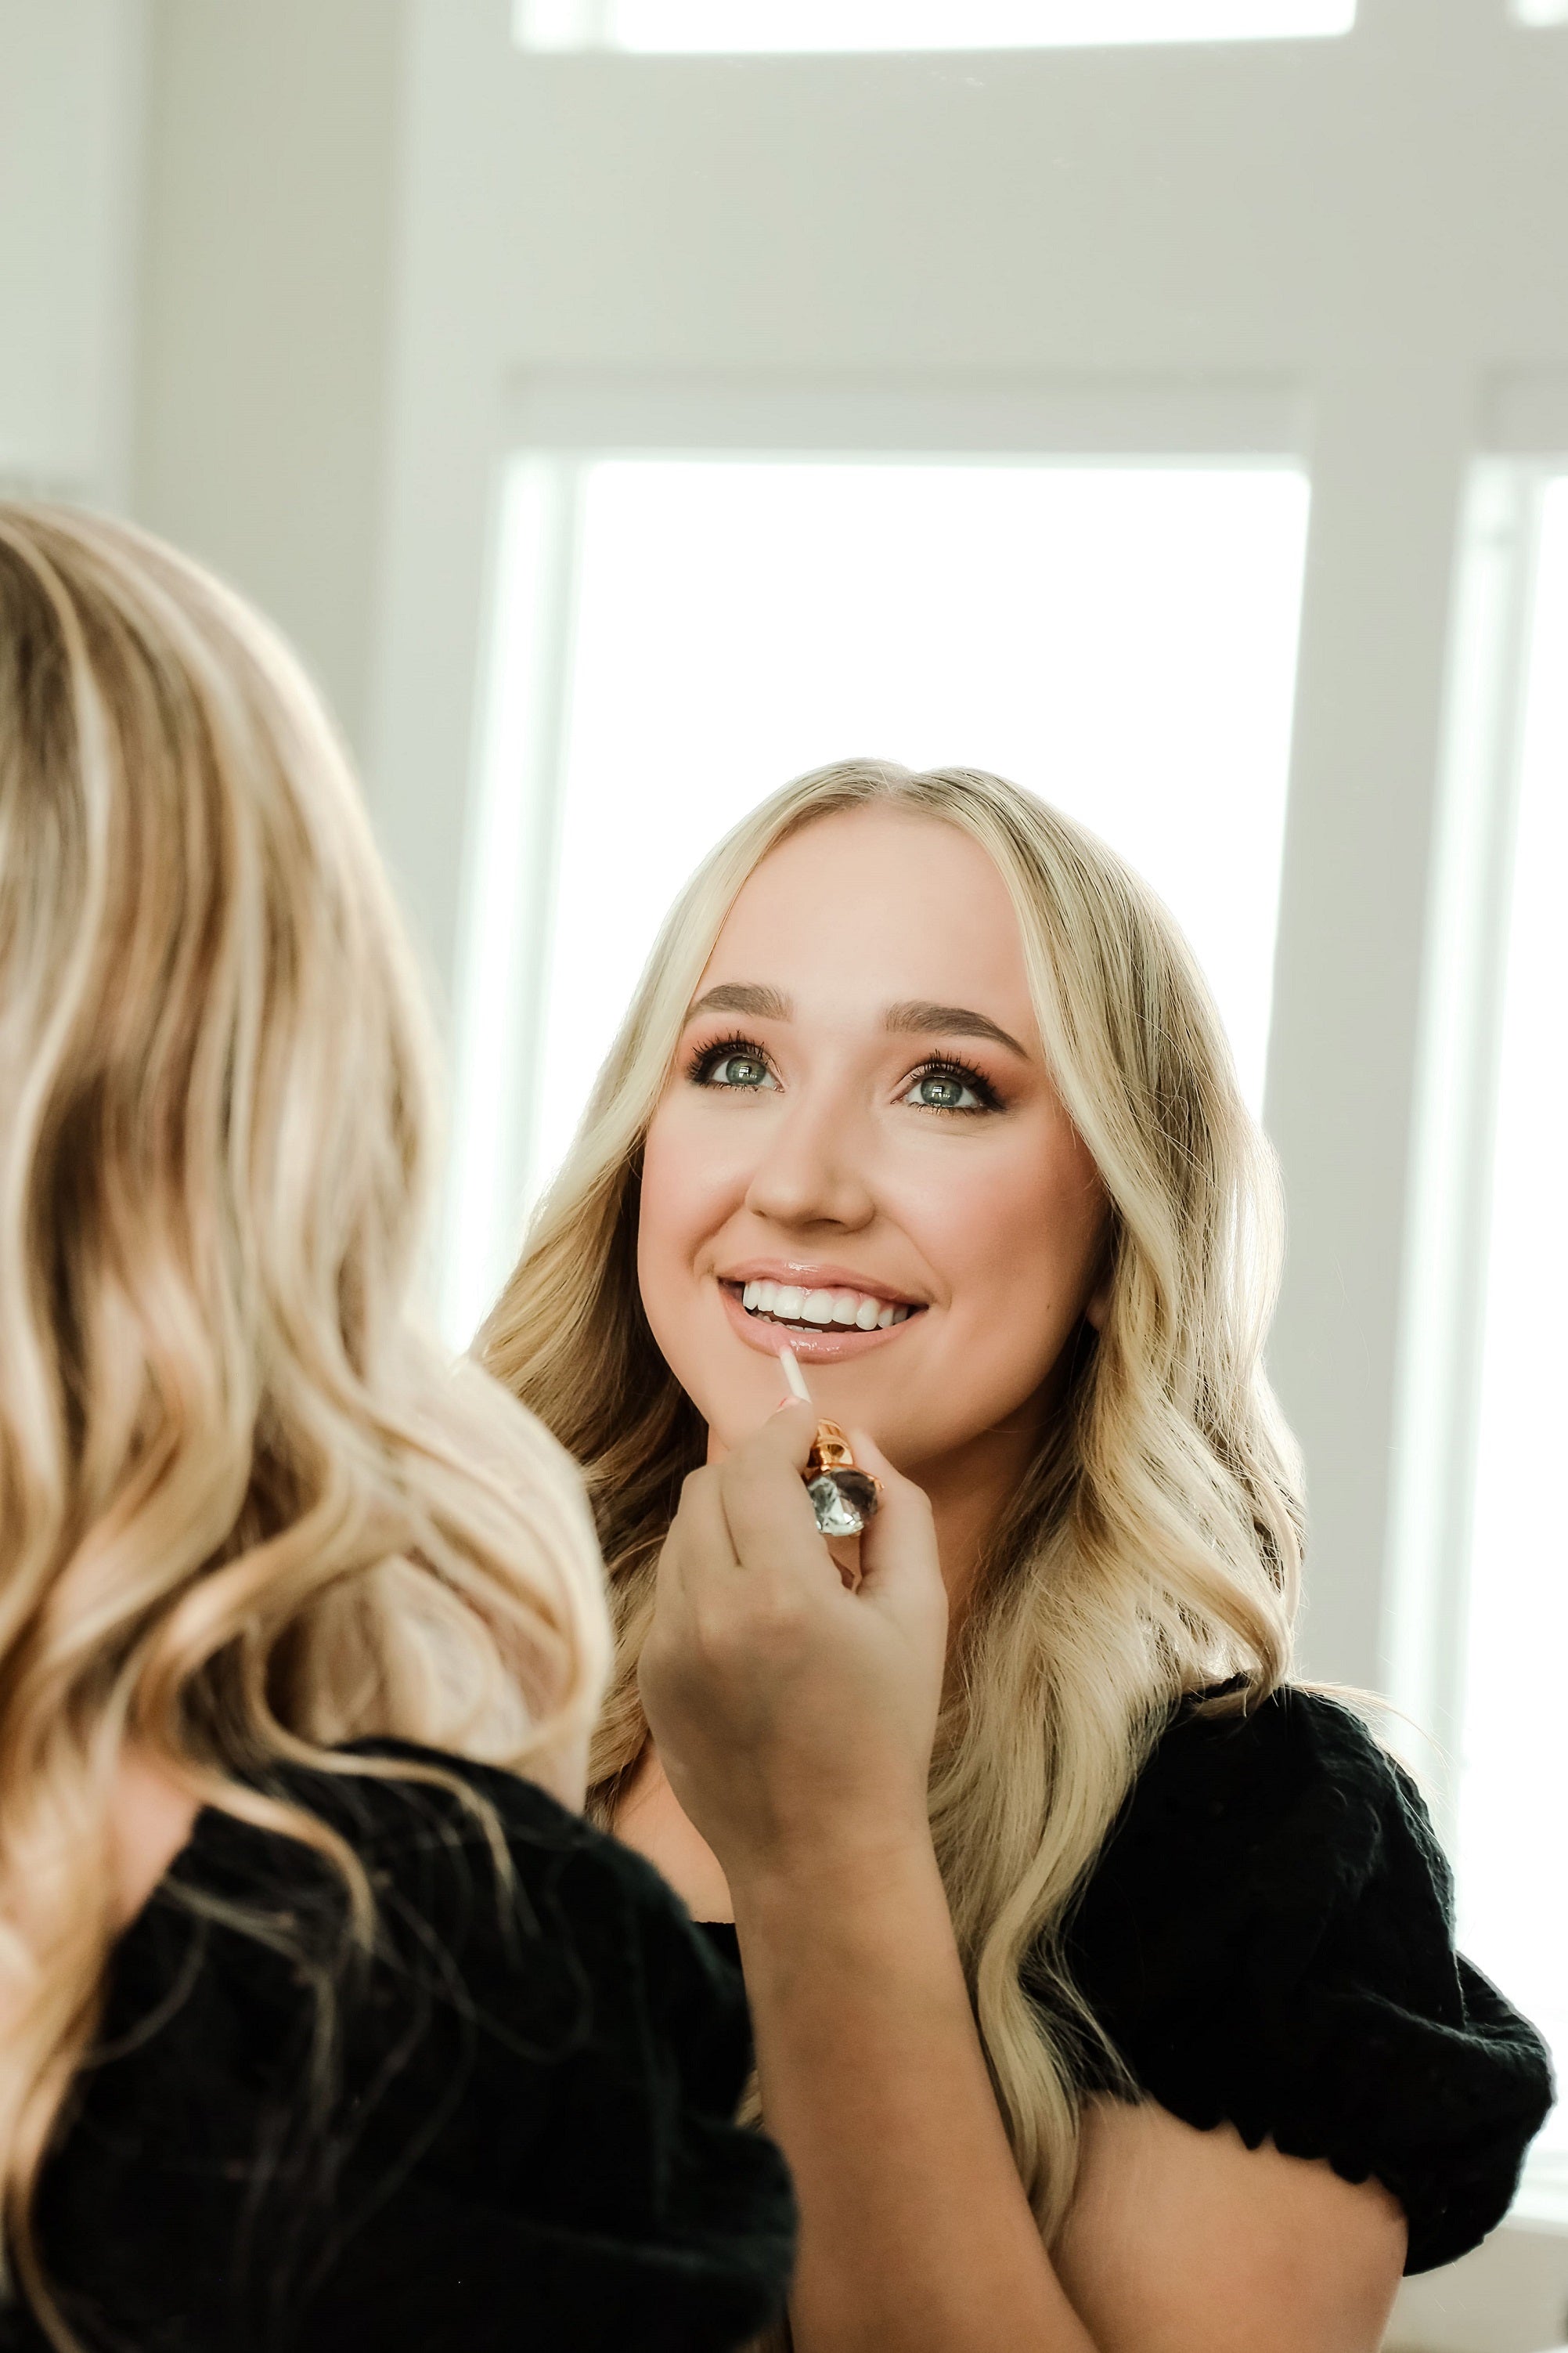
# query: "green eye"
[948,1090]
[743,1072]
[950,1087]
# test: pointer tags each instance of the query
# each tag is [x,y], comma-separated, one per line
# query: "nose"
[813,1171]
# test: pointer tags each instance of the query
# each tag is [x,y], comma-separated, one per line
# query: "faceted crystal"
[843,1501]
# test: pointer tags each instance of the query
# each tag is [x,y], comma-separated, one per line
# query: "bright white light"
[508,887]
[734,27]
[1541,12]
[1514,1788]
[1120,640]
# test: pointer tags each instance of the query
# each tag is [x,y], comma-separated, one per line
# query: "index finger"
[765,1500]
[786,1435]
[698,1535]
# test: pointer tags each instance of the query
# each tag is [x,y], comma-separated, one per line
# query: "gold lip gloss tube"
[843,1496]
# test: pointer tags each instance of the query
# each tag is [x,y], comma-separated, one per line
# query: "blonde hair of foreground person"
[246,1511]
[1156,1547]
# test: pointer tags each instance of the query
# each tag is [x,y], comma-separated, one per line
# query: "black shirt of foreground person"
[518,2133]
[1268,1940]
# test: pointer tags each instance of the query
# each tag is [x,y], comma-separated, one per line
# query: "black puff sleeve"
[1268,1940]
[516,2131]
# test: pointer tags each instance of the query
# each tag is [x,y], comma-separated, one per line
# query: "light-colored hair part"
[1154,1549]
[246,1509]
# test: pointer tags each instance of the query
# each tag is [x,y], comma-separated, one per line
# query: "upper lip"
[817,1277]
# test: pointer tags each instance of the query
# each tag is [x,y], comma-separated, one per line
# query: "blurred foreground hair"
[247,1511]
[1154,1549]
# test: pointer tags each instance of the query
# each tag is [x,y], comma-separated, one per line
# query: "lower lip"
[825,1344]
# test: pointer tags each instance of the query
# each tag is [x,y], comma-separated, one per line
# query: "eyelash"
[949,1066]
[702,1063]
[699,1069]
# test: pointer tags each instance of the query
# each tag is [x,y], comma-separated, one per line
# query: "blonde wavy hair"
[247,1511]
[1152,1552]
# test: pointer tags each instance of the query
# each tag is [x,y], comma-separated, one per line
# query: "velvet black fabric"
[1267,1939]
[511,2127]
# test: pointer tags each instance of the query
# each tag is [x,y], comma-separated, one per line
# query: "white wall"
[72,111]
[273,135]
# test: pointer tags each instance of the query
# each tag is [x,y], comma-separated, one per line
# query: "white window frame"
[559,427]
[553,26]
[1460,1048]
[1453,1133]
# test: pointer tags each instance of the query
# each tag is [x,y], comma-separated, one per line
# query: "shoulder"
[429,1826]
[1268,1940]
[524,2087]
[501,1917]
[1275,1808]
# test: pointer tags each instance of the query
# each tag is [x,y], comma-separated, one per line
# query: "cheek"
[684,1198]
[1017,1246]
[663,1210]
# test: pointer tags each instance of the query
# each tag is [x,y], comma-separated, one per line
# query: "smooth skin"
[151,1819]
[793,1718]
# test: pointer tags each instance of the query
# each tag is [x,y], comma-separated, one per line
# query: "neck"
[970,1489]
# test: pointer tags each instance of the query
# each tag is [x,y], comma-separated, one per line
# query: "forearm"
[915,2232]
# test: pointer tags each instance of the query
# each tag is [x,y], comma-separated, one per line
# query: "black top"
[521,2134]
[1267,1939]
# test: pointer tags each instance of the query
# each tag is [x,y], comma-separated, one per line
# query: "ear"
[1097,1307]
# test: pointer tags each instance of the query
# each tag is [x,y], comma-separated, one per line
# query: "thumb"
[897,1546]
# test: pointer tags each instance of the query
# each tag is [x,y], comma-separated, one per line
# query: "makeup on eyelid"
[705,1060]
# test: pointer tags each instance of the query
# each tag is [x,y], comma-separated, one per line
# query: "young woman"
[323,2022]
[1102,1981]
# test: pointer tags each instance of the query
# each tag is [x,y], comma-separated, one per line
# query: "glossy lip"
[816,1345]
[815,1274]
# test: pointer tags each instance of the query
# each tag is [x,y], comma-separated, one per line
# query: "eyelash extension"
[699,1068]
[949,1066]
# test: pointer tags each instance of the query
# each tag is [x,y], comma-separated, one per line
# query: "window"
[1513,1763]
[779,25]
[1121,638]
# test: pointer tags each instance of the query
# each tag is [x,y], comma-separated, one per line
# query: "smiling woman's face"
[861,1155]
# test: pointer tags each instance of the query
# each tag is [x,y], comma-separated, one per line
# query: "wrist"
[849,1868]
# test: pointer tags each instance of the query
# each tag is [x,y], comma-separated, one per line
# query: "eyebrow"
[752,996]
[915,1016]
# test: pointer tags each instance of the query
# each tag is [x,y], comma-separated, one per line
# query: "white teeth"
[796,1304]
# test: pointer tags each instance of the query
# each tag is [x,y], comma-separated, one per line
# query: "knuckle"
[778,1625]
[695,1483]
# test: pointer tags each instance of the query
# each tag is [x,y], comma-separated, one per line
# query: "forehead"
[876,905]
